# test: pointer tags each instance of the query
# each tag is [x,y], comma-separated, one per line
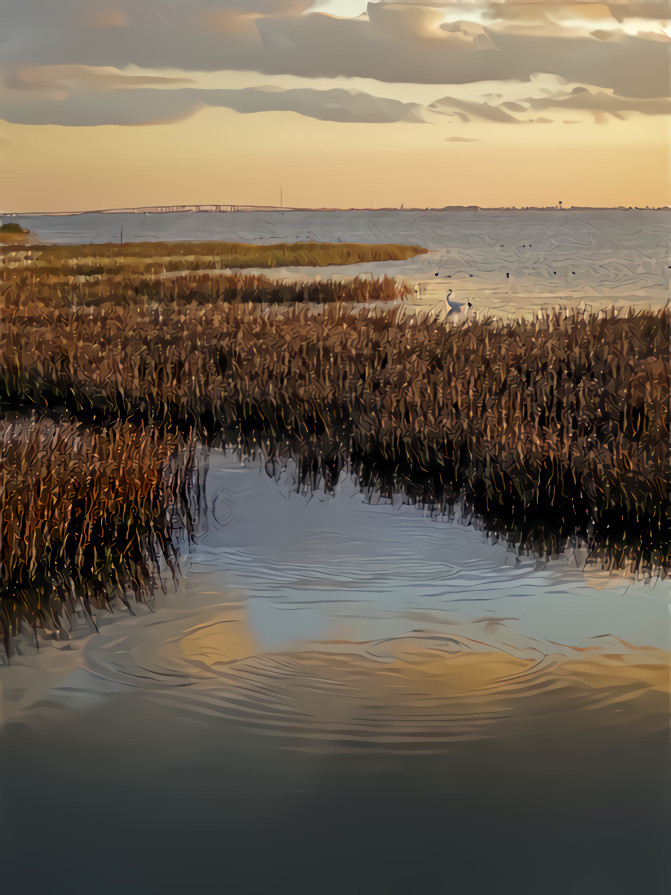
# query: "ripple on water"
[327,623]
[419,692]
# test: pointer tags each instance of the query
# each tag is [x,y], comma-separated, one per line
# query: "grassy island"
[167,257]
[12,234]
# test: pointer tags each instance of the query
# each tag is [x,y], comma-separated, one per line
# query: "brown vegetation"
[85,515]
[13,234]
[24,288]
[129,259]
[554,426]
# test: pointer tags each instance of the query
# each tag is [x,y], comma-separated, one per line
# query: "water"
[506,263]
[346,695]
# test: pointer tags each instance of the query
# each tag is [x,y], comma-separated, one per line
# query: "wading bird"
[451,306]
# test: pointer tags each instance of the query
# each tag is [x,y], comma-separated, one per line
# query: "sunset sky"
[115,103]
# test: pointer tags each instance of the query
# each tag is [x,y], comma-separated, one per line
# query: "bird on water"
[451,306]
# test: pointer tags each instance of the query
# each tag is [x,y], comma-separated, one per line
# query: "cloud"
[523,103]
[83,96]
[395,46]
[65,78]
[144,106]
[659,10]
[64,60]
[581,14]
[395,42]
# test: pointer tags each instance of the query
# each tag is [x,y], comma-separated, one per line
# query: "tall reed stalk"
[561,420]
[86,515]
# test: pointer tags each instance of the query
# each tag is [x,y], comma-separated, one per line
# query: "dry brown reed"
[85,515]
[561,421]
[23,288]
[129,259]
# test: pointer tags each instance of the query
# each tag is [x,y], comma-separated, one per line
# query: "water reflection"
[347,696]
[325,619]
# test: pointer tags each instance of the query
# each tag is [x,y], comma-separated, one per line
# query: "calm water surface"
[344,695]
[503,262]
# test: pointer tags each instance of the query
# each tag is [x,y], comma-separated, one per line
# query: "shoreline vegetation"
[13,234]
[129,259]
[204,288]
[544,431]
[86,516]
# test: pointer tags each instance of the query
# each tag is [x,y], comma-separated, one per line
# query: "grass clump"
[85,515]
[24,289]
[144,258]
[12,233]
[546,429]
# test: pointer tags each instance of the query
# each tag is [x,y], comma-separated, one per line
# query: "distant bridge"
[167,209]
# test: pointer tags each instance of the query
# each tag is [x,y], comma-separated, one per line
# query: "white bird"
[451,306]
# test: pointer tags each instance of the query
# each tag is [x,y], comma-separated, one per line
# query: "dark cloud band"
[142,106]
[396,43]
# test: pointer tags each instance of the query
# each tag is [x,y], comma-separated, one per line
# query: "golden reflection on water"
[417,692]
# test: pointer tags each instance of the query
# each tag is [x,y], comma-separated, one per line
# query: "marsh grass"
[86,515]
[546,429]
[23,289]
[12,234]
[130,259]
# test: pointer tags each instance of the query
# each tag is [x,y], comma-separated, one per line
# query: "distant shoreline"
[229,209]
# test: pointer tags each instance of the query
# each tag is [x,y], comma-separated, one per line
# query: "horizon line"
[220,208]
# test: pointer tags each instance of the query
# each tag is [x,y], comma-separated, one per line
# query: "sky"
[334,103]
